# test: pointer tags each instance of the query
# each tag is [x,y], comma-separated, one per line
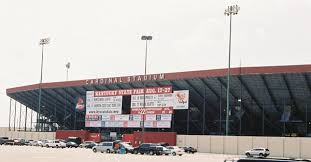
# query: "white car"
[55,143]
[260,152]
[175,150]
[102,147]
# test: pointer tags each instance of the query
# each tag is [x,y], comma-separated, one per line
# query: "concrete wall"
[4,132]
[292,147]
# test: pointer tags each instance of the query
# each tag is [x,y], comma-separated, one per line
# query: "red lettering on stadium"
[137,78]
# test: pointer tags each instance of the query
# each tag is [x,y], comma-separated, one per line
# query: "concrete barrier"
[291,147]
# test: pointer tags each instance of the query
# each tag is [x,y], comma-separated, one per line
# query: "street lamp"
[67,67]
[231,10]
[146,39]
[42,42]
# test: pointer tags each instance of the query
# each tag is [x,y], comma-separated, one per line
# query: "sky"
[101,38]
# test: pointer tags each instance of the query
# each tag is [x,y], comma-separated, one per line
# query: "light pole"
[66,95]
[146,39]
[67,68]
[231,10]
[42,42]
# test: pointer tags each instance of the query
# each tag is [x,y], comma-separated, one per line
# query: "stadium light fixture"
[42,42]
[146,39]
[231,10]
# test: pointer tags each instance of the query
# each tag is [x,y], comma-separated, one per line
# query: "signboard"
[163,110]
[181,99]
[80,106]
[103,105]
[133,124]
[152,100]
[121,117]
[157,124]
[137,91]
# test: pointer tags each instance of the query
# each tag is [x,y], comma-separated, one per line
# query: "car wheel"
[94,150]
[47,146]
[151,153]
[57,146]
[174,153]
[248,154]
[135,152]
[108,151]
[261,155]
[180,154]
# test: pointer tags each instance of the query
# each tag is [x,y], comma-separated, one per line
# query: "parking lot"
[38,154]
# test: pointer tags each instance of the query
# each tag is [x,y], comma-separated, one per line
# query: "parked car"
[9,142]
[102,147]
[3,140]
[28,142]
[55,143]
[19,141]
[88,144]
[260,152]
[162,150]
[42,143]
[175,150]
[190,150]
[128,148]
[145,148]
[72,144]
[77,140]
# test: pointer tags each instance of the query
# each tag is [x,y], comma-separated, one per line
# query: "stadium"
[267,101]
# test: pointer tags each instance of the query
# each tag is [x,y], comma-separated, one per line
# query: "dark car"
[90,145]
[190,150]
[72,144]
[3,140]
[145,148]
[76,140]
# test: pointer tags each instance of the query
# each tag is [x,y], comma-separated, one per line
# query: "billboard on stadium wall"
[130,121]
[181,99]
[104,105]
[128,124]
[104,108]
[152,100]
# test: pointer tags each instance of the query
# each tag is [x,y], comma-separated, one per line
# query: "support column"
[188,121]
[10,114]
[31,120]
[14,115]
[220,110]
[26,119]
[20,117]
[204,107]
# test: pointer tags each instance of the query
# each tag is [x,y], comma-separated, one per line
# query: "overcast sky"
[101,38]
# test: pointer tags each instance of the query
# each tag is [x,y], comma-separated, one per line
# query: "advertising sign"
[103,105]
[150,117]
[163,124]
[121,117]
[80,106]
[181,99]
[163,110]
[137,91]
[166,117]
[152,100]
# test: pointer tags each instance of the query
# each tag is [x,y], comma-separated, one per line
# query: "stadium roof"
[267,88]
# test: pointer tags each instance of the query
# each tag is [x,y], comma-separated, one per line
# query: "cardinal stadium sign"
[136,78]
